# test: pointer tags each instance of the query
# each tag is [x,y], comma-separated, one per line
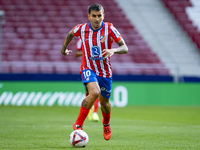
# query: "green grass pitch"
[133,128]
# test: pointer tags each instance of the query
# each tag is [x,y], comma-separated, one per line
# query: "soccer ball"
[78,138]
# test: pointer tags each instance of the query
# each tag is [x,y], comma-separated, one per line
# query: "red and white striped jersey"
[93,43]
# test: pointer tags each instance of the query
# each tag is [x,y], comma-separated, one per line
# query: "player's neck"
[95,29]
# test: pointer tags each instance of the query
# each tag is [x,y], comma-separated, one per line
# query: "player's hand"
[108,52]
[67,52]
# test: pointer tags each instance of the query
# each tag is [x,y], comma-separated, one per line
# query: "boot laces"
[107,129]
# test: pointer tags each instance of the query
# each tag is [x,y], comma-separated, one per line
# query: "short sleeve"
[115,33]
[76,30]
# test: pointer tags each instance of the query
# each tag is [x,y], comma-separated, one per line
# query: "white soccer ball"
[78,138]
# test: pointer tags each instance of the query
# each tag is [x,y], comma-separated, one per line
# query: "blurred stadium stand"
[34,32]
[187,14]
[164,35]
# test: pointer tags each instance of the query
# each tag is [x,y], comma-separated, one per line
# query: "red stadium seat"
[61,70]
[177,8]
[5,69]
[46,69]
[37,30]
[33,68]
[17,69]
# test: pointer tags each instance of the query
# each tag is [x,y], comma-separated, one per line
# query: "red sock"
[86,93]
[96,105]
[106,118]
[82,115]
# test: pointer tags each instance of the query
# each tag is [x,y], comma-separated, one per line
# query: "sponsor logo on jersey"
[96,53]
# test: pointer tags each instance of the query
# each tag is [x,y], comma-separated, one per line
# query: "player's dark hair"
[95,7]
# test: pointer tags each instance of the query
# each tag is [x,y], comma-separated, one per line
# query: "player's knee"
[95,93]
[105,103]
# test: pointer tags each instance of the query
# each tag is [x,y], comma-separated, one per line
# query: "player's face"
[96,19]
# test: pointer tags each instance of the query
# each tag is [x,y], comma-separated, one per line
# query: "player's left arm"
[122,49]
[78,53]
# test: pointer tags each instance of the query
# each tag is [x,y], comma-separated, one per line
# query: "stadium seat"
[33,68]
[37,30]
[6,69]
[18,69]
[178,10]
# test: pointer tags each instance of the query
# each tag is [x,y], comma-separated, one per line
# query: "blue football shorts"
[105,84]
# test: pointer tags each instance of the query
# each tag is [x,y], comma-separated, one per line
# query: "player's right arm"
[67,41]
[78,51]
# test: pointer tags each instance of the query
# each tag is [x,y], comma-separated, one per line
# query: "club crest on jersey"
[102,38]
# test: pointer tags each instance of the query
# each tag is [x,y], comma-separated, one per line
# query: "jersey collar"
[97,29]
